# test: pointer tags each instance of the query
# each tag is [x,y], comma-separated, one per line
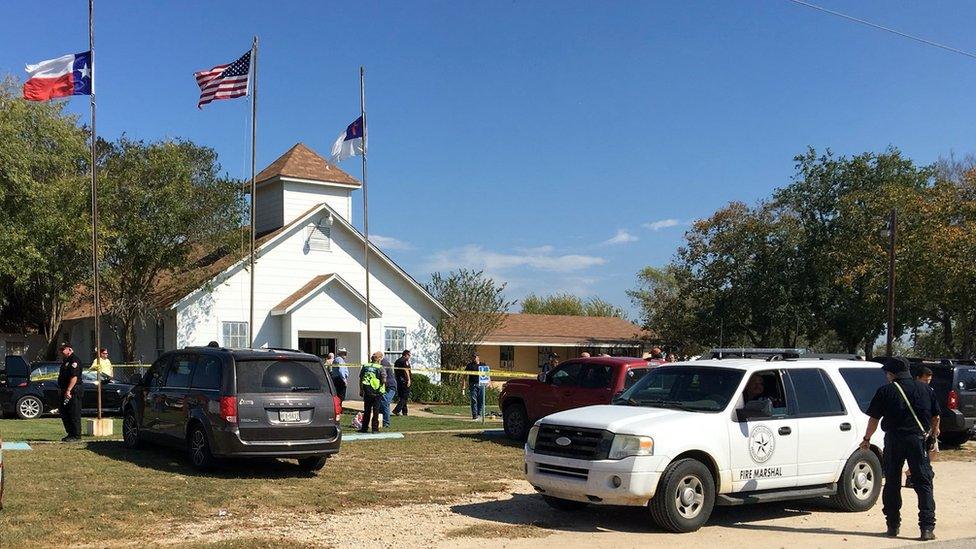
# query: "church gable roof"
[301,162]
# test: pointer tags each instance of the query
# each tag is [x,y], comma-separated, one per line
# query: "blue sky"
[558,145]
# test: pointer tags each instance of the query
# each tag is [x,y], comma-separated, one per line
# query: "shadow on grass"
[172,460]
[531,509]
[493,436]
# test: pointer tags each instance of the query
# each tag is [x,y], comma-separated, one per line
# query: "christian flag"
[61,77]
[349,142]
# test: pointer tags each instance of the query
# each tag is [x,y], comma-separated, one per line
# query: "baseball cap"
[895,365]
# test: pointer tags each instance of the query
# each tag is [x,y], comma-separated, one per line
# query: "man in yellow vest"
[102,364]
[372,387]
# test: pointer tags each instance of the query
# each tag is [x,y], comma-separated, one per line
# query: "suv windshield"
[280,376]
[692,388]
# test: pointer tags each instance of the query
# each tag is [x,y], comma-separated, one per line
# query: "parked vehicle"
[30,395]
[218,402]
[574,383]
[684,439]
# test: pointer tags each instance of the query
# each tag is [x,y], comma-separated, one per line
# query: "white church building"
[310,282]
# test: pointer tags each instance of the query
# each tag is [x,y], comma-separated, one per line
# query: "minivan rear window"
[280,376]
[864,382]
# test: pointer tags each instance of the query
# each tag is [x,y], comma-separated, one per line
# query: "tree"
[477,307]
[164,204]
[568,304]
[44,213]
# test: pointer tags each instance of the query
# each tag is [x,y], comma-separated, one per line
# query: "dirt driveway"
[519,518]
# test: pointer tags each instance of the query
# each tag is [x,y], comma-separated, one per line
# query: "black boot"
[927,535]
[892,531]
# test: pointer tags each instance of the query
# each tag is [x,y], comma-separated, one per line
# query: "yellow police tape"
[491,373]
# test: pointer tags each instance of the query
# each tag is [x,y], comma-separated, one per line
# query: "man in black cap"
[909,415]
[70,390]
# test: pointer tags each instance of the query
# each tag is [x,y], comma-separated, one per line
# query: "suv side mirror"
[761,408]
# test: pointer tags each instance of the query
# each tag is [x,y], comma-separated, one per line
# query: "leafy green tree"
[44,211]
[164,205]
[568,304]
[477,305]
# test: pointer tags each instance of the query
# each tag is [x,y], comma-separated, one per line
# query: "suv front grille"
[588,444]
[560,471]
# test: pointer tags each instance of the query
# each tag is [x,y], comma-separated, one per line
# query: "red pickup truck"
[573,384]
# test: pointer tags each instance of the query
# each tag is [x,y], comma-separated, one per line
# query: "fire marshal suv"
[689,436]
[218,402]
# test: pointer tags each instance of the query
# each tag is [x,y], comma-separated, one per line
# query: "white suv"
[689,436]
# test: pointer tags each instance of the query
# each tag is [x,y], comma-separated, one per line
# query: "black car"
[217,402]
[954,382]
[30,390]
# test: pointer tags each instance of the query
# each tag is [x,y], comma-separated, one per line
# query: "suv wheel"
[955,439]
[312,464]
[130,430]
[860,483]
[564,504]
[29,407]
[516,421]
[685,497]
[200,455]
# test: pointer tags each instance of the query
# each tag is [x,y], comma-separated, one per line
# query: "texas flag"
[61,77]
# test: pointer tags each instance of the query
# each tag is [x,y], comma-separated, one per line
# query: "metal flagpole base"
[94,427]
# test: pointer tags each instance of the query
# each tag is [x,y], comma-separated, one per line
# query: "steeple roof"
[301,162]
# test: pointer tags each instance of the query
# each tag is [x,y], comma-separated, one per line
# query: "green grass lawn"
[114,496]
[42,429]
[461,411]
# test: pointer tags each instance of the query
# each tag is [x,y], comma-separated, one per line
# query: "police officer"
[70,390]
[909,415]
[372,387]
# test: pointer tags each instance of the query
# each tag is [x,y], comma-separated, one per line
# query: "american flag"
[224,81]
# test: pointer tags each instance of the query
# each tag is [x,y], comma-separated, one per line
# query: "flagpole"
[254,132]
[94,207]
[362,112]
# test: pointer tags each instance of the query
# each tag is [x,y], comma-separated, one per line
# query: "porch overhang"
[313,288]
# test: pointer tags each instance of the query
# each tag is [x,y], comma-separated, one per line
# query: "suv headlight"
[630,445]
[533,434]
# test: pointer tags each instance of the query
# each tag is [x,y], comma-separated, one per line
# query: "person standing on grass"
[403,380]
[372,387]
[476,391]
[340,374]
[391,389]
[71,391]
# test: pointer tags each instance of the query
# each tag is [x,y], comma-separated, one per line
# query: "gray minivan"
[217,402]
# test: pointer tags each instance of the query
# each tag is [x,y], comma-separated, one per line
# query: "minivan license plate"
[289,415]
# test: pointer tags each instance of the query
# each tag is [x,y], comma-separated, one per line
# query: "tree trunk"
[53,308]
[947,339]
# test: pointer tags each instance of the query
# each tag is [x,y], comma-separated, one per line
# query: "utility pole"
[892,233]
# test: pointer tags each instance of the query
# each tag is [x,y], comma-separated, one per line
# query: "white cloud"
[662,224]
[622,237]
[539,259]
[389,243]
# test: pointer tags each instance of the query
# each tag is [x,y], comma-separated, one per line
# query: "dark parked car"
[218,402]
[28,391]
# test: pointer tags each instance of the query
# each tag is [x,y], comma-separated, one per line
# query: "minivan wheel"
[564,504]
[516,421]
[312,464]
[685,497]
[130,430]
[200,455]
[29,407]
[860,483]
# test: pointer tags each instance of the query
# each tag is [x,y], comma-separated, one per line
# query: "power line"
[886,29]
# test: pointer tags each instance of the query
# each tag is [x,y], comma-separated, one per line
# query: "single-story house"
[524,342]
[310,282]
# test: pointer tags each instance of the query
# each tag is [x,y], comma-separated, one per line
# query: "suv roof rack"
[769,354]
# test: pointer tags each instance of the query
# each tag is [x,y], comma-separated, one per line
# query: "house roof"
[311,287]
[301,162]
[565,330]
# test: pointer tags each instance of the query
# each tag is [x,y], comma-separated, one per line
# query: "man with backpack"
[372,387]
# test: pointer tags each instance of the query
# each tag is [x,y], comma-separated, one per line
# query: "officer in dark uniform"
[70,390]
[907,437]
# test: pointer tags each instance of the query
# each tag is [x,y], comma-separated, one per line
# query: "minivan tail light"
[24,384]
[228,409]
[953,403]
[338,405]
